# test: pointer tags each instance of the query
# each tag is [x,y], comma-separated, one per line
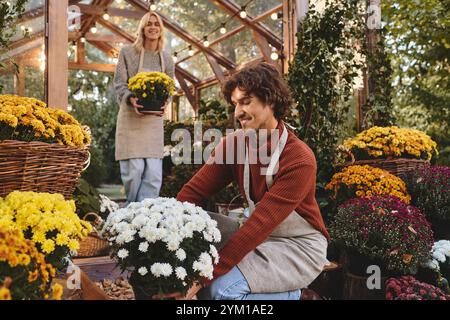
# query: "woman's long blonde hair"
[140,36]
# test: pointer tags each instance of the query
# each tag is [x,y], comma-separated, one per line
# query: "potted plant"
[397,150]
[430,190]
[366,181]
[382,231]
[24,273]
[48,220]
[167,245]
[437,269]
[42,149]
[409,288]
[153,89]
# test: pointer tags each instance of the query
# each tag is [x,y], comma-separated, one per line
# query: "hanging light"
[223,30]
[30,29]
[274,56]
[175,58]
[153,5]
[274,16]
[195,3]
[94,29]
[120,44]
[22,28]
[205,41]
[83,39]
[106,15]
[243,13]
[191,51]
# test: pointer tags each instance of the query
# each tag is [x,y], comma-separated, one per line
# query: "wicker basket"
[40,167]
[398,166]
[93,245]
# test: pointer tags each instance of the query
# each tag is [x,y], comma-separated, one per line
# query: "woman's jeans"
[233,286]
[142,178]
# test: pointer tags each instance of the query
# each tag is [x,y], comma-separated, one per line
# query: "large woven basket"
[40,167]
[399,166]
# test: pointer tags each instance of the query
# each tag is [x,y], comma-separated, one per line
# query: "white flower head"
[181,273]
[122,253]
[143,246]
[181,254]
[142,271]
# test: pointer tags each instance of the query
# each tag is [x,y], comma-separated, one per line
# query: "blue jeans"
[142,178]
[233,286]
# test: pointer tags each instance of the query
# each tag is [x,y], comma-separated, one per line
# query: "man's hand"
[178,296]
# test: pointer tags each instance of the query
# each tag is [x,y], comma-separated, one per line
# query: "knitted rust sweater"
[293,188]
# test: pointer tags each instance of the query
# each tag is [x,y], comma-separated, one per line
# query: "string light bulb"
[205,41]
[83,39]
[175,58]
[191,51]
[243,13]
[153,5]
[94,29]
[223,30]
[274,56]
[274,16]
[106,16]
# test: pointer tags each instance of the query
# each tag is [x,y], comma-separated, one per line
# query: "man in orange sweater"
[281,247]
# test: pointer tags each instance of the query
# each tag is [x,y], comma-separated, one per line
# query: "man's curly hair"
[263,81]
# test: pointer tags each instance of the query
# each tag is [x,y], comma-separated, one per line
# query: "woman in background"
[140,136]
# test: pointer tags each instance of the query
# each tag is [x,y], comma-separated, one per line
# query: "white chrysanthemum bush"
[166,244]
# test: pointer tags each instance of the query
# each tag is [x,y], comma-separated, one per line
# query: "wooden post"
[56,35]
[292,10]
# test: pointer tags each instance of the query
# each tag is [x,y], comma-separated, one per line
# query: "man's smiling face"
[251,112]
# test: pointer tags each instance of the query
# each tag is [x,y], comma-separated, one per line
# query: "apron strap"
[274,162]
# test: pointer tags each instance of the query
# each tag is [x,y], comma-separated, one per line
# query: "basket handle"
[87,163]
[232,200]
[98,220]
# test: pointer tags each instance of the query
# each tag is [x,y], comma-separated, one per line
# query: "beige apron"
[295,252]
[139,137]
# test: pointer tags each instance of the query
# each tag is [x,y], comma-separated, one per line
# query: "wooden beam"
[30,15]
[232,8]
[264,47]
[115,29]
[213,80]
[89,20]
[215,68]
[186,36]
[56,46]
[114,12]
[100,67]
[19,47]
[236,30]
[81,52]
[106,48]
[74,36]
[187,91]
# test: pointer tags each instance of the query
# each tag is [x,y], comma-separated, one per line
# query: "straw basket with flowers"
[42,149]
[397,150]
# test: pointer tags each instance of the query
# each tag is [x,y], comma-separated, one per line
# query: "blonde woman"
[140,136]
